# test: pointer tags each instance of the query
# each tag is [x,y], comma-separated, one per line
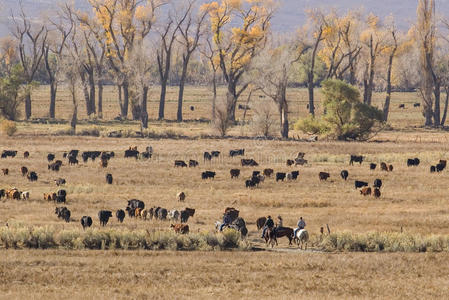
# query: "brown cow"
[180,228]
[5,171]
[26,154]
[376,193]
[383,166]
[133,148]
[104,163]
[365,191]
[323,176]
[137,212]
[290,162]
[268,172]
[24,171]
[390,168]
[181,196]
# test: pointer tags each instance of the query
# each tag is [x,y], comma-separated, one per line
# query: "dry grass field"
[412,199]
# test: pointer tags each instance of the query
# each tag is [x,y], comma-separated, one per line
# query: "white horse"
[301,238]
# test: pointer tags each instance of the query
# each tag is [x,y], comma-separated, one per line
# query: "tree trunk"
[428,114]
[144,109]
[53,89]
[388,98]
[100,99]
[284,120]
[443,120]
[124,111]
[162,100]
[231,101]
[73,122]
[28,105]
[311,96]
[120,98]
[181,89]
[214,97]
[436,113]
[92,92]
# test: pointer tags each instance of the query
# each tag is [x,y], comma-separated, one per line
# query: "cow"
[63,213]
[162,213]
[185,214]
[50,157]
[173,215]
[32,176]
[180,163]
[208,175]
[383,166]
[260,222]
[215,153]
[103,216]
[235,173]
[290,162]
[73,160]
[181,196]
[9,153]
[109,178]
[180,228]
[344,174]
[2,193]
[60,181]
[268,172]
[377,183]
[144,214]
[433,169]
[132,205]
[323,176]
[280,176]
[356,158]
[376,193]
[145,155]
[390,168]
[248,162]
[372,166]
[193,163]
[137,212]
[207,156]
[120,214]
[402,105]
[86,221]
[54,166]
[61,196]
[365,191]
[73,152]
[255,173]
[441,165]
[24,171]
[249,183]
[413,162]
[26,154]
[243,107]
[5,171]
[299,160]
[107,155]
[237,152]
[50,196]
[358,184]
[416,104]
[25,195]
[293,175]
[13,194]
[132,153]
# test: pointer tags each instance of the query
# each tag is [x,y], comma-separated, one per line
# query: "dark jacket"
[269,223]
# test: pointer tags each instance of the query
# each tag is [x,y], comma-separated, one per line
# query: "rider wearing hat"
[301,225]
[269,223]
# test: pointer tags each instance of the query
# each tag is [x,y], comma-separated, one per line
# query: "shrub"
[92,131]
[8,127]
[222,123]
[264,118]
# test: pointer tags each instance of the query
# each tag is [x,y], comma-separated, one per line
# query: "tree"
[210,53]
[239,29]
[391,50]
[346,118]
[31,42]
[11,92]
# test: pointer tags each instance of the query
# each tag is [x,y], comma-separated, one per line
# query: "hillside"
[290,14]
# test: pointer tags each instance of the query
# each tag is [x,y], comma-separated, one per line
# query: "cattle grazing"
[73,160]
[180,163]
[358,184]
[24,171]
[416,104]
[376,193]
[145,155]
[280,176]
[365,191]
[180,228]
[192,108]
[377,183]
[25,195]
[356,158]
[344,174]
[63,213]
[132,205]
[50,196]
[32,176]
[107,155]
[55,166]
[132,153]
[161,213]
[372,166]
[260,222]
[299,160]
[250,183]
[144,214]
[173,215]
[103,216]
[215,153]
[401,106]
[208,175]
[238,152]
[255,173]
[60,181]
[193,163]
[243,107]
[13,194]
[207,156]
[9,153]
[235,173]
[293,175]
[323,176]
[290,162]
[268,172]
[5,171]
[185,214]
[50,157]
[413,162]
[86,221]
[137,212]
[390,168]
[441,165]
[433,169]
[132,148]
[109,178]
[383,166]
[120,214]
[2,193]
[26,154]
[249,162]
[181,196]
[61,196]
[73,153]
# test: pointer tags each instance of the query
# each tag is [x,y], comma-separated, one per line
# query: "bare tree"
[210,54]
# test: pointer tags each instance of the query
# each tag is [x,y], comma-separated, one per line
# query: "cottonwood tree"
[240,29]
[31,43]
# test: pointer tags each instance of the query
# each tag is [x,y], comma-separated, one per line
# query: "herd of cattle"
[136,208]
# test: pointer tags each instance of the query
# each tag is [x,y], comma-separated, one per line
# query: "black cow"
[2,193]
[416,104]
[235,173]
[256,173]
[73,153]
[249,162]
[180,163]
[377,183]
[413,162]
[207,156]
[237,152]
[280,176]
[250,183]
[32,176]
[185,214]
[358,184]
[193,163]
[9,153]
[215,153]
[63,213]
[208,174]
[356,158]
[120,214]
[146,155]
[344,174]
[60,181]
[402,106]
[441,165]
[86,221]
[433,169]
[293,175]
[323,176]
[109,178]
[103,216]
[132,153]
[61,196]
[372,166]
[162,213]
[132,205]
[73,160]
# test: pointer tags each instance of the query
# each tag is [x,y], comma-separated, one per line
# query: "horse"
[301,238]
[260,222]
[280,232]
[270,237]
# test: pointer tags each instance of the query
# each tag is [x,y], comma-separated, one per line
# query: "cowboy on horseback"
[226,221]
[301,225]
[269,223]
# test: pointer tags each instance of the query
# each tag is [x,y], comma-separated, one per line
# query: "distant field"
[412,199]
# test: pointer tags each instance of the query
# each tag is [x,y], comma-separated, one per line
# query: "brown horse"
[278,233]
[270,237]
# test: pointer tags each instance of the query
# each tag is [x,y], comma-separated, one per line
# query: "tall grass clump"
[8,127]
